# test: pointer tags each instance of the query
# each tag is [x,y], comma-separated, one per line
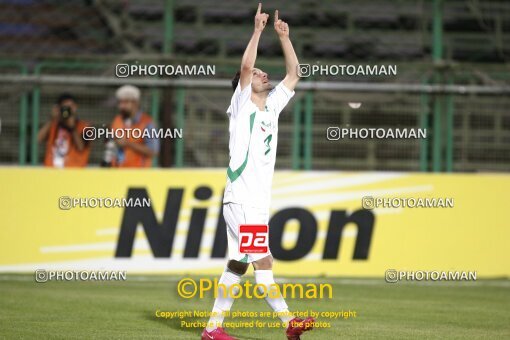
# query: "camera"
[65,112]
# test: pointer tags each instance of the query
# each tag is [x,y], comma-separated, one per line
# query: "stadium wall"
[318,223]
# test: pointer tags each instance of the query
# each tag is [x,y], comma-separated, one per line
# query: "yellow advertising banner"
[322,223]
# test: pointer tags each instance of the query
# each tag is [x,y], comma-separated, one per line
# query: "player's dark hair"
[235,81]
[65,96]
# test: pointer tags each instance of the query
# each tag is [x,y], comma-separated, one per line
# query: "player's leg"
[231,275]
[223,302]
[264,276]
[263,266]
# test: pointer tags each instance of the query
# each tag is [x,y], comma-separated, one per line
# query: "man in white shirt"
[253,127]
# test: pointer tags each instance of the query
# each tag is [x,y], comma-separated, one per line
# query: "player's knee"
[237,267]
[264,263]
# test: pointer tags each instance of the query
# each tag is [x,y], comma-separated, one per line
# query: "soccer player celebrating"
[253,114]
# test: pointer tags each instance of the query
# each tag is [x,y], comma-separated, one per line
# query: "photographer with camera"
[63,134]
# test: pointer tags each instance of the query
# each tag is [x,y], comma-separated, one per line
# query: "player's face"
[127,107]
[260,81]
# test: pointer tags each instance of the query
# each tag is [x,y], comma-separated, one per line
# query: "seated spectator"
[131,151]
[63,134]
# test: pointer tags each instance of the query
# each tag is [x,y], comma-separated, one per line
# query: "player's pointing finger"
[276,16]
[260,8]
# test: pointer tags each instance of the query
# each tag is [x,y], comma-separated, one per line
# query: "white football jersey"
[252,146]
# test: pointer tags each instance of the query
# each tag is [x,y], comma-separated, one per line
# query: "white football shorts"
[235,215]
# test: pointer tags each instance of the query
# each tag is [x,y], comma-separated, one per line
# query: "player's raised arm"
[250,54]
[291,61]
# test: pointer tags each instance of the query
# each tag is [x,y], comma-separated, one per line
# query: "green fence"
[466,131]
[14,106]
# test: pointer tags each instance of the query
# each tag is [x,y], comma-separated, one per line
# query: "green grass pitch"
[125,310]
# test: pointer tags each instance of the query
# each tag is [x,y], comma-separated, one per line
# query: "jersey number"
[267,141]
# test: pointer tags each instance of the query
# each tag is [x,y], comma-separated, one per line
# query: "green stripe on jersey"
[233,175]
